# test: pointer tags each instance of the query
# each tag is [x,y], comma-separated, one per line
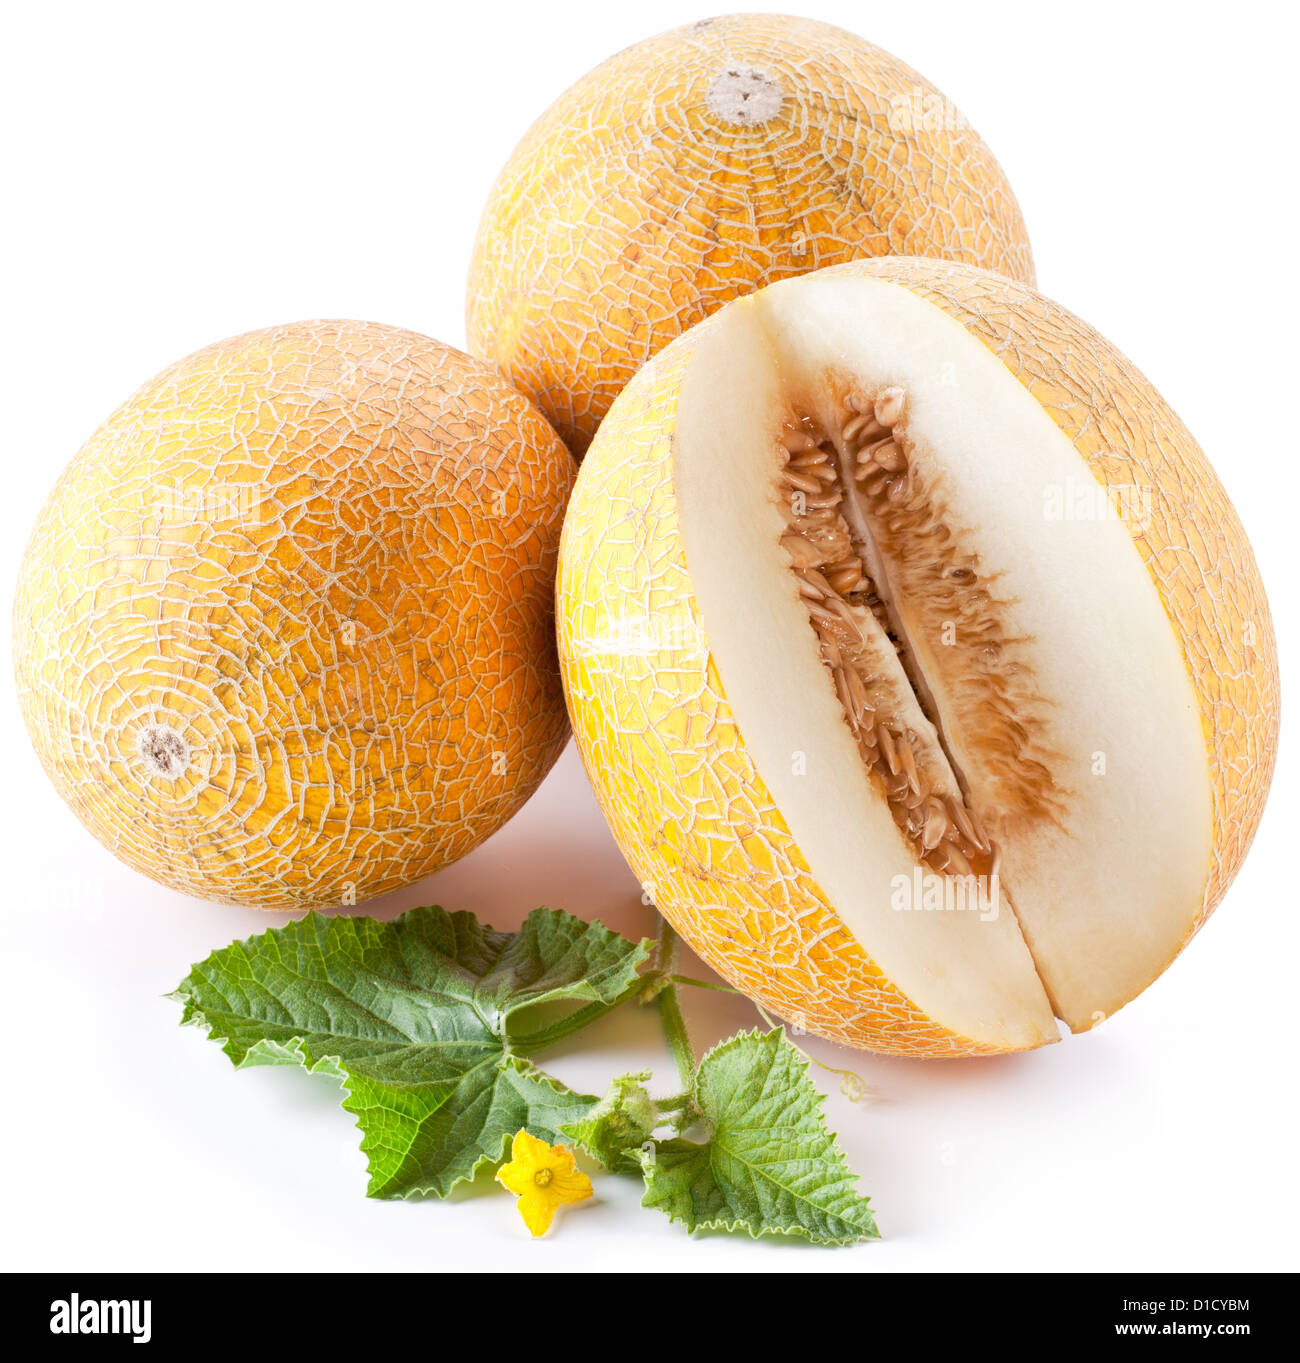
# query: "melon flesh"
[1069,728]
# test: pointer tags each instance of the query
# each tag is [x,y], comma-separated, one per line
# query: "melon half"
[918,659]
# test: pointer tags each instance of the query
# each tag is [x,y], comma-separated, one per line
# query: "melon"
[917,657]
[700,165]
[284,632]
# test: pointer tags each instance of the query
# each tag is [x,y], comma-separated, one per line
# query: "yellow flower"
[542,1177]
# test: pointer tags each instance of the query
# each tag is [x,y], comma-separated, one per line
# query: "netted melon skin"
[669,766]
[636,205]
[689,811]
[312,567]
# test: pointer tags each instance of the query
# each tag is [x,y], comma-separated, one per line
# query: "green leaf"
[614,1131]
[418,1018]
[770,1166]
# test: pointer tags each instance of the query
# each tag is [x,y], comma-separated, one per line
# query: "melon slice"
[928,754]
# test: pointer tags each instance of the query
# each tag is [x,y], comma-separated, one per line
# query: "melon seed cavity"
[851,500]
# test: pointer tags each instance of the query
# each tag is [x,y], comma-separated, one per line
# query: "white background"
[180,172]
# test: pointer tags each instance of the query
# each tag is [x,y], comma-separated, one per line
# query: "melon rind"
[318,559]
[634,207]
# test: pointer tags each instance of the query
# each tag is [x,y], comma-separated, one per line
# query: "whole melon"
[702,164]
[919,660]
[284,629]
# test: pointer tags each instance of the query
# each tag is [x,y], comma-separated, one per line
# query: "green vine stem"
[704,984]
[670,1012]
[679,1041]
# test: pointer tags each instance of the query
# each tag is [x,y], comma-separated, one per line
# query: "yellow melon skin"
[661,745]
[700,165]
[284,629]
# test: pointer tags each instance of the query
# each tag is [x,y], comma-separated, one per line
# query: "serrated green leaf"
[414,1017]
[770,1166]
[614,1131]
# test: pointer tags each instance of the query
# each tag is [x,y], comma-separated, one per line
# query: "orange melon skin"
[284,629]
[652,193]
[666,758]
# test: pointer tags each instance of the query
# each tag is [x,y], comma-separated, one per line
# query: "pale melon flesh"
[1014,639]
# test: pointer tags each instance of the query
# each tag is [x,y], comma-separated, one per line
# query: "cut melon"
[884,635]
